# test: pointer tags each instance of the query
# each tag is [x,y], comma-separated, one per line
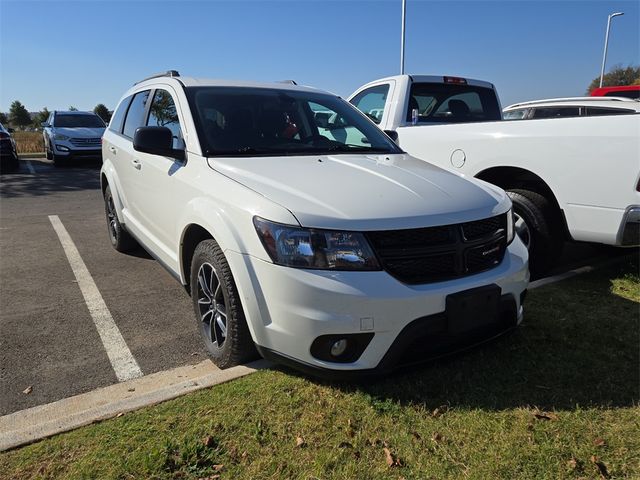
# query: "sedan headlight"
[510,226]
[59,136]
[317,249]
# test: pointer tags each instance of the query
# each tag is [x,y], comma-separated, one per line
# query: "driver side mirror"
[156,141]
[44,124]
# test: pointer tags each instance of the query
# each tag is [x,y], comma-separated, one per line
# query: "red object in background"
[628,91]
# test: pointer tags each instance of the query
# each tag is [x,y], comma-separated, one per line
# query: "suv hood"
[365,192]
[81,132]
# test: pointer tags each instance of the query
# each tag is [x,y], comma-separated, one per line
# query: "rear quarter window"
[115,125]
[596,111]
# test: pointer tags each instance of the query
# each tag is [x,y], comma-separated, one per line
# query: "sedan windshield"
[243,121]
[78,120]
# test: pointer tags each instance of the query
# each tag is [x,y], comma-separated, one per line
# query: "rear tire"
[121,240]
[545,238]
[218,309]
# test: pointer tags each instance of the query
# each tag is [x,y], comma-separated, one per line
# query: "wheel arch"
[192,235]
[521,178]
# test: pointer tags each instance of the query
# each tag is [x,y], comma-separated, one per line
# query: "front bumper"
[67,150]
[288,308]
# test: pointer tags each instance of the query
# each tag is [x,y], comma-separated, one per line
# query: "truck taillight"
[456,80]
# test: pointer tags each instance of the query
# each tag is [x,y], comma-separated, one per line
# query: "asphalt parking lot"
[48,339]
[49,344]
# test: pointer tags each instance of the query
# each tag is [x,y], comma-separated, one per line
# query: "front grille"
[433,254]
[85,142]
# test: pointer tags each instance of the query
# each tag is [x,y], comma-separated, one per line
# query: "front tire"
[218,309]
[120,239]
[539,227]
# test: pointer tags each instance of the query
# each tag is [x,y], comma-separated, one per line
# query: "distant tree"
[41,117]
[72,108]
[617,76]
[3,119]
[18,115]
[102,111]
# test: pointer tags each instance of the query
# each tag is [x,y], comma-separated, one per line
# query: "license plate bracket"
[472,308]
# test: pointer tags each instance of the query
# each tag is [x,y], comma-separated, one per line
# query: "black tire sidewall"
[238,346]
[544,229]
[123,242]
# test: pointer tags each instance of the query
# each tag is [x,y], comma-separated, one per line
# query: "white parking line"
[122,361]
[30,167]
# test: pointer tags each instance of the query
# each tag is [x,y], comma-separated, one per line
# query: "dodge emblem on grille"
[491,250]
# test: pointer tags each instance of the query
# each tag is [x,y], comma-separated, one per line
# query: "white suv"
[327,255]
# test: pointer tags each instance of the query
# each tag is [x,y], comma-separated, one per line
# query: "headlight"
[510,226]
[311,248]
[59,136]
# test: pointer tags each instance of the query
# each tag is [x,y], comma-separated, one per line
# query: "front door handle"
[136,164]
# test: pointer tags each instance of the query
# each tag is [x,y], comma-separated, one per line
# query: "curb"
[27,426]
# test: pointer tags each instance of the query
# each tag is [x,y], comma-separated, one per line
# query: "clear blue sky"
[59,53]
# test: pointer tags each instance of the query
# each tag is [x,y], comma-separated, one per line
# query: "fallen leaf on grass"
[599,442]
[217,467]
[601,467]
[209,441]
[438,412]
[574,464]
[28,390]
[300,442]
[545,415]
[392,459]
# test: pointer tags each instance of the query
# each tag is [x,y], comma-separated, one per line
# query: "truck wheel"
[218,309]
[539,228]
[121,240]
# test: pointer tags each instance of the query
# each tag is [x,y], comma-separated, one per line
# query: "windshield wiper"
[348,147]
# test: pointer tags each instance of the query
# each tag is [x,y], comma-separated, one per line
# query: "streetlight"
[404,12]
[606,43]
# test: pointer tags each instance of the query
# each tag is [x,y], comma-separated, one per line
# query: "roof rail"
[571,100]
[290,82]
[168,73]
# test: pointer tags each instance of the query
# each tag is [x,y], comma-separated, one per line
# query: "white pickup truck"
[569,178]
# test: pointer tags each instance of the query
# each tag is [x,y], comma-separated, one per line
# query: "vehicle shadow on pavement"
[578,346]
[49,180]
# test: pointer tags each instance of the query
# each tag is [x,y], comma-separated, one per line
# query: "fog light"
[62,148]
[339,347]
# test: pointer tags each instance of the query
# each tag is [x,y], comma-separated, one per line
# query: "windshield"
[78,120]
[243,121]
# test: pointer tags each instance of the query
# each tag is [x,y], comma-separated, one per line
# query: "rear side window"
[594,111]
[452,103]
[135,115]
[556,112]
[115,125]
[371,101]
[516,114]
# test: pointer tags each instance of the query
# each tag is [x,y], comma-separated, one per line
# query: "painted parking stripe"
[122,361]
[30,167]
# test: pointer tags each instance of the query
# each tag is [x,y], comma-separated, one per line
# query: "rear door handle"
[136,163]
[113,150]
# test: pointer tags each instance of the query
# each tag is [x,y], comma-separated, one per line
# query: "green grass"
[556,399]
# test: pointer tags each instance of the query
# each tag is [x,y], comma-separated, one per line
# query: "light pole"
[404,12]
[606,43]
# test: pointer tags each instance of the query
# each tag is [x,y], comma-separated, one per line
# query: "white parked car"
[328,255]
[72,135]
[569,178]
[571,107]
